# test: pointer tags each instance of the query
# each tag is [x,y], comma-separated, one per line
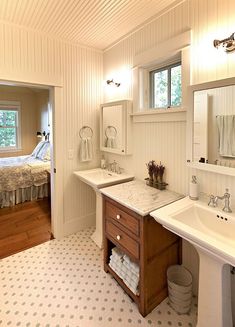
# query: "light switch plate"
[70,154]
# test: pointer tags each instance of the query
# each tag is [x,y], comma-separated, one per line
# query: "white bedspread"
[22,172]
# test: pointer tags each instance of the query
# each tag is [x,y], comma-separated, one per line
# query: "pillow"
[44,152]
[37,149]
[47,156]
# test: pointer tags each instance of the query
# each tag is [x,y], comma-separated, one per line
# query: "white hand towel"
[86,149]
[111,142]
[226,128]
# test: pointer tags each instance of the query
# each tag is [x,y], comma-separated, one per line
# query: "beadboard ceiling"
[96,23]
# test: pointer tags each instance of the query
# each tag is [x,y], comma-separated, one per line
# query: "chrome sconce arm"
[228,44]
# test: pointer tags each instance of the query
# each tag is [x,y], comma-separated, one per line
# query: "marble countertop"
[139,197]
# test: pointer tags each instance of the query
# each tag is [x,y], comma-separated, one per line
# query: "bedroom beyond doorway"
[25,165]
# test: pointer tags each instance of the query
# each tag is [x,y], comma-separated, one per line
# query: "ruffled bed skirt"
[8,199]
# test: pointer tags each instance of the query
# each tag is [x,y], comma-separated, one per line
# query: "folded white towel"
[134,288]
[115,268]
[123,270]
[130,271]
[117,252]
[117,263]
[86,149]
[132,281]
[134,266]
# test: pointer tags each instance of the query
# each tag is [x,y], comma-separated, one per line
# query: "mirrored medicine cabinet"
[115,127]
[211,127]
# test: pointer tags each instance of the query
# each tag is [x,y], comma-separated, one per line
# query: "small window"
[9,127]
[165,87]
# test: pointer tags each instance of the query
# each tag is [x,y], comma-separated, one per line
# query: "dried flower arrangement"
[155,173]
[151,168]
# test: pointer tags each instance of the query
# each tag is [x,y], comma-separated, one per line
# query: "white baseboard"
[77,224]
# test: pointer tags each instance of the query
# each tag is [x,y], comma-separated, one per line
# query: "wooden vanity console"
[147,243]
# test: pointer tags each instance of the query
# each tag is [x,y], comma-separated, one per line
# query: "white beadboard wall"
[208,19]
[27,53]
[212,19]
[165,141]
[82,74]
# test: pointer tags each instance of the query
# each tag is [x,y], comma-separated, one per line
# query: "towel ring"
[112,130]
[83,131]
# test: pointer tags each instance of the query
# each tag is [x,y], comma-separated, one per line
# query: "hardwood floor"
[24,226]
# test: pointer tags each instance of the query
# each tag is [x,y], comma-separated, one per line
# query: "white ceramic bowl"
[180,302]
[179,295]
[179,279]
[179,308]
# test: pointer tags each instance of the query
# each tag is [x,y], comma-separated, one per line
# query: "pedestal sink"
[212,232]
[99,178]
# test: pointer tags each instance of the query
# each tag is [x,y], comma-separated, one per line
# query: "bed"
[25,178]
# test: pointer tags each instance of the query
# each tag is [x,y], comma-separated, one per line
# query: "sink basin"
[212,232]
[210,228]
[99,178]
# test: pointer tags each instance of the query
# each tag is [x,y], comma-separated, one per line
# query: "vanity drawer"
[122,239]
[123,218]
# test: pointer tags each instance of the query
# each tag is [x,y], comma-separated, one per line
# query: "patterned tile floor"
[62,283]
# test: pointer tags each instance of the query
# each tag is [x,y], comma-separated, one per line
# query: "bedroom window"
[9,126]
[165,87]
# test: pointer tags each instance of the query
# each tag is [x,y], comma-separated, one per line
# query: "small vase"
[150,179]
[155,178]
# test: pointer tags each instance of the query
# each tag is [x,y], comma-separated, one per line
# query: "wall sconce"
[228,44]
[43,135]
[111,82]
[39,134]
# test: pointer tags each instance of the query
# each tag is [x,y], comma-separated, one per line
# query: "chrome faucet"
[113,166]
[213,202]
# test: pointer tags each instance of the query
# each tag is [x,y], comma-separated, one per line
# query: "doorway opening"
[26,157]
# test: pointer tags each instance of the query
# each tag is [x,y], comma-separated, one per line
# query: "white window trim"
[16,105]
[175,49]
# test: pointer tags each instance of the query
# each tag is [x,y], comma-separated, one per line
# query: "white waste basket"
[179,281]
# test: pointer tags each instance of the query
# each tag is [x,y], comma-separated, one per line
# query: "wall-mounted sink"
[212,232]
[99,178]
[210,228]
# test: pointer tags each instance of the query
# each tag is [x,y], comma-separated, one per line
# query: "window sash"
[152,84]
[16,126]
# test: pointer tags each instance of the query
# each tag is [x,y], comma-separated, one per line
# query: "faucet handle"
[120,170]
[109,166]
[212,202]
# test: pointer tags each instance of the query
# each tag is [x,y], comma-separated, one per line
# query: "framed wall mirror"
[213,127]
[115,127]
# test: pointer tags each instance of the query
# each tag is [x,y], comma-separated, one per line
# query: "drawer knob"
[118,237]
[118,217]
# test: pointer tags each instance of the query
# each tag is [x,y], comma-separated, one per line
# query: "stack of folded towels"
[126,269]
